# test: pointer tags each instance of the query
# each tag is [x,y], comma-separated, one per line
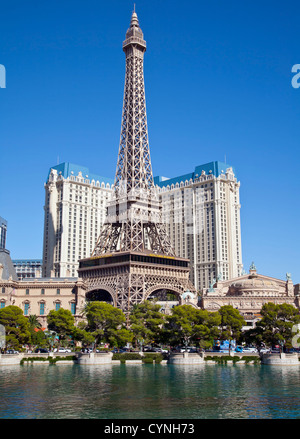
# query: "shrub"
[223,359]
[52,360]
[127,356]
[148,360]
[251,358]
[158,357]
[32,359]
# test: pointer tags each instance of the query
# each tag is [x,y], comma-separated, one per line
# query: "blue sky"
[218,84]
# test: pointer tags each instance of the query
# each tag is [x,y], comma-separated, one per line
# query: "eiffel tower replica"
[133,257]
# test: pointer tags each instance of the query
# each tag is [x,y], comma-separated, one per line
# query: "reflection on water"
[149,391]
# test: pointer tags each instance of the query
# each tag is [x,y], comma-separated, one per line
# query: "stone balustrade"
[280,359]
[186,358]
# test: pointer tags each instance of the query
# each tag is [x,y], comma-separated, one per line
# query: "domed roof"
[254,283]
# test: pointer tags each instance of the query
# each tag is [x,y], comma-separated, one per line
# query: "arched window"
[73,308]
[42,308]
[26,308]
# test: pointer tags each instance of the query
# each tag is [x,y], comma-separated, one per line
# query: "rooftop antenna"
[133,7]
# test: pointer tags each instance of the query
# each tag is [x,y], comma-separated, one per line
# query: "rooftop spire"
[134,164]
[134,20]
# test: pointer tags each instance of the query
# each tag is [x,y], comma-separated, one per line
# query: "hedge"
[157,357]
[127,356]
[234,359]
[52,360]
[147,358]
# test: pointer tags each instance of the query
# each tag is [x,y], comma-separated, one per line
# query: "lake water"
[149,392]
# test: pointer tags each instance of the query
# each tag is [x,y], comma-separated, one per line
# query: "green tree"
[189,325]
[62,323]
[37,336]
[17,328]
[85,337]
[276,325]
[51,339]
[254,337]
[34,322]
[146,322]
[103,320]
[207,328]
[231,323]
[119,337]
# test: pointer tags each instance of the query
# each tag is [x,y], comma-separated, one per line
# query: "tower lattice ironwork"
[133,256]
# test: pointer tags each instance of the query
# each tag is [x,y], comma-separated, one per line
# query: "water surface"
[146,391]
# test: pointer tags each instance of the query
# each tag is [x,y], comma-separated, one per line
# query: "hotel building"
[202,213]
[201,210]
[75,208]
[3,230]
[28,268]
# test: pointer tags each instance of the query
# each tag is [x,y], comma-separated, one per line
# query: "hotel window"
[3,290]
[2,304]
[57,306]
[73,308]
[27,291]
[43,291]
[26,309]
[42,309]
[58,291]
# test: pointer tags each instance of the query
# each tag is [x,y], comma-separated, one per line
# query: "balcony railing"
[134,39]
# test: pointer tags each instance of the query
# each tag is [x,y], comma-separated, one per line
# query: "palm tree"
[34,322]
[34,325]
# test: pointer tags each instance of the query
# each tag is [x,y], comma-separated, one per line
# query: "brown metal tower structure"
[133,256]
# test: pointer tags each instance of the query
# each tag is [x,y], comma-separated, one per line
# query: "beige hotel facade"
[201,211]
[246,293]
